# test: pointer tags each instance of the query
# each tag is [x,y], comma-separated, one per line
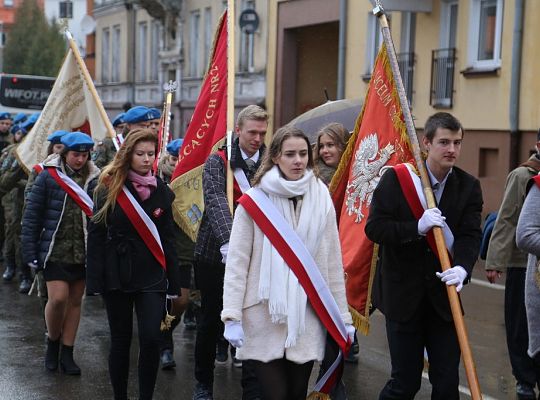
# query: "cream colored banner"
[70,106]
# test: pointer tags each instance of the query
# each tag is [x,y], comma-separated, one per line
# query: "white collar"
[254,157]
[434,180]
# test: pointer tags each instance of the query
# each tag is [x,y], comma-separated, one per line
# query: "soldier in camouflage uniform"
[6,138]
[13,180]
[5,125]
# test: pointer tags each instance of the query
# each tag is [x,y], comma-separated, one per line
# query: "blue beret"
[5,115]
[138,114]
[30,121]
[34,117]
[77,141]
[18,127]
[55,137]
[119,119]
[20,117]
[156,114]
[174,147]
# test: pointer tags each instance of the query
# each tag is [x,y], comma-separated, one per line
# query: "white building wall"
[52,10]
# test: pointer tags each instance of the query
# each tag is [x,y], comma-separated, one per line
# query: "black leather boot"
[67,365]
[51,357]
[9,273]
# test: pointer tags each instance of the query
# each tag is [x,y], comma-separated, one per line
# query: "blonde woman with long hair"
[131,257]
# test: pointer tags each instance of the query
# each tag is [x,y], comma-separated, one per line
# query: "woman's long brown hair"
[112,178]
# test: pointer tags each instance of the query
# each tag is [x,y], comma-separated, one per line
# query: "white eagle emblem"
[366,174]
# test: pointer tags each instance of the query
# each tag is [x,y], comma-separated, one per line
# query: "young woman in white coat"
[266,312]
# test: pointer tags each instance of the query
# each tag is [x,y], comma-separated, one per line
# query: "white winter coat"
[265,341]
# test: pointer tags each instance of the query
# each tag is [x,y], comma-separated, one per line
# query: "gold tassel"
[318,396]
[166,323]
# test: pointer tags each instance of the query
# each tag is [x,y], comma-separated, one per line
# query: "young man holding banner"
[213,242]
[408,289]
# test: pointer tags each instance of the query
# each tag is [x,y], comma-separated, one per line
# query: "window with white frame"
[246,43]
[8,3]
[208,35]
[66,9]
[374,42]
[105,47]
[142,46]
[115,67]
[195,21]
[154,52]
[485,33]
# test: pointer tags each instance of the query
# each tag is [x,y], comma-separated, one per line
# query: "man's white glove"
[431,217]
[351,331]
[234,333]
[224,250]
[453,276]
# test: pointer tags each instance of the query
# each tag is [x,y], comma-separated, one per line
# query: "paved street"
[23,376]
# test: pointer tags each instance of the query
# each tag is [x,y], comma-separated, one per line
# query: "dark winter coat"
[119,259]
[43,213]
[407,265]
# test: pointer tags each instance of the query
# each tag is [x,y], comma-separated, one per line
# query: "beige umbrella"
[343,111]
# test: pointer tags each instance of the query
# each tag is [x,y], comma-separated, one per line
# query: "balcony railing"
[406,67]
[443,63]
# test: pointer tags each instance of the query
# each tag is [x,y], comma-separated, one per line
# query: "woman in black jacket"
[131,259]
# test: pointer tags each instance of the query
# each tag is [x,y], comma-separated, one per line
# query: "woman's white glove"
[224,249]
[453,276]
[234,333]
[431,217]
[351,331]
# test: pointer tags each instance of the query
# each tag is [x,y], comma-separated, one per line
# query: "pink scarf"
[143,184]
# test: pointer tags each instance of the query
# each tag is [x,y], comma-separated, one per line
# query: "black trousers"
[209,280]
[149,307]
[283,379]
[407,341]
[515,319]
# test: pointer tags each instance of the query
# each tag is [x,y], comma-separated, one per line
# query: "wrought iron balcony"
[443,63]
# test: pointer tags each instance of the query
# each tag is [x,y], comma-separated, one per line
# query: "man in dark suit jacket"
[213,243]
[410,288]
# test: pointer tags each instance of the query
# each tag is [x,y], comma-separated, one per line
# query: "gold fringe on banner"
[318,396]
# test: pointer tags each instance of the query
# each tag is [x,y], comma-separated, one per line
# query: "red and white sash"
[301,262]
[143,224]
[411,186]
[77,193]
[38,168]
[242,180]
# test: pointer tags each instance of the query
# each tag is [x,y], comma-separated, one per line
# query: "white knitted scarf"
[277,283]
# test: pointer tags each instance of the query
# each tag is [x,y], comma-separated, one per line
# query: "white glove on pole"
[234,333]
[224,250]
[453,276]
[351,331]
[431,217]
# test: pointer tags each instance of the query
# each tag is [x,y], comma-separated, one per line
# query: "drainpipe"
[515,81]
[342,48]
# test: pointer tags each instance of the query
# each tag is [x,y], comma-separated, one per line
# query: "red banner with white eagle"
[204,135]
[379,140]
